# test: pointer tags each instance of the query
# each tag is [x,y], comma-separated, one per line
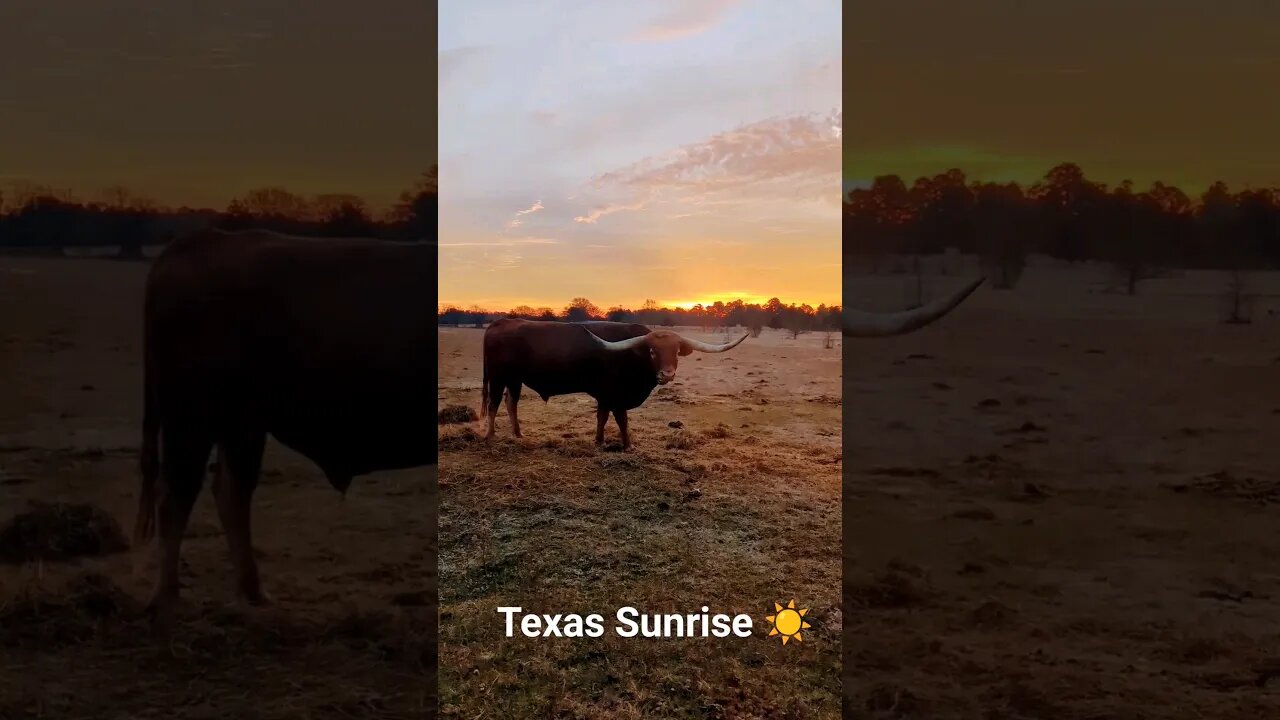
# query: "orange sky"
[197,103]
[1182,91]
[675,152]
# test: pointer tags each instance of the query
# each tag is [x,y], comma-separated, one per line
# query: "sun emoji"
[788,622]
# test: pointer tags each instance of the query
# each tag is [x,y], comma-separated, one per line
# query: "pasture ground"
[1059,503]
[1062,503]
[735,509]
[353,578]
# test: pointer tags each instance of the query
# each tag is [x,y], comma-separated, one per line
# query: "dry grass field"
[729,499]
[353,578]
[1062,503]
[1059,503]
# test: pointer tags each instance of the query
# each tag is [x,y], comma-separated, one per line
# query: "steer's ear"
[685,348]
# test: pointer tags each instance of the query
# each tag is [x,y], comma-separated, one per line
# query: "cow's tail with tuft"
[484,386]
[144,527]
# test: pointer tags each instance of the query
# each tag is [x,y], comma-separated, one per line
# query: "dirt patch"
[1230,485]
[895,588]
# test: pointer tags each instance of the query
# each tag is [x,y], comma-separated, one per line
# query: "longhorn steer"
[328,345]
[618,364]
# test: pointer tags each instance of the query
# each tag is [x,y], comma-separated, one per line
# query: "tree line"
[1067,216]
[42,218]
[775,314]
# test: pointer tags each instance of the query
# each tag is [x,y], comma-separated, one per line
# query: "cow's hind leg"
[621,417]
[513,399]
[495,399]
[185,451]
[239,470]
[602,417]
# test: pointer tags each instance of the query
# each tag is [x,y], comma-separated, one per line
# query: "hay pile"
[454,414]
[60,532]
[42,619]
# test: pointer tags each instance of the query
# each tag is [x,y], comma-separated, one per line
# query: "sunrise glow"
[682,167]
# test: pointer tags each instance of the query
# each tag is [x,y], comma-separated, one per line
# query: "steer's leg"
[602,417]
[185,451]
[513,399]
[240,467]
[495,399]
[621,417]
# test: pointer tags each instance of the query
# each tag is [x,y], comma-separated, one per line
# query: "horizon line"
[639,307]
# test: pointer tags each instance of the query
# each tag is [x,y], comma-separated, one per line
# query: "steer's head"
[664,348]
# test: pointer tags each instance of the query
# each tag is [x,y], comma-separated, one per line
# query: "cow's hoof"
[256,598]
[160,613]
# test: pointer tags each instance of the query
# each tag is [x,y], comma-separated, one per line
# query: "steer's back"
[556,358]
[330,344]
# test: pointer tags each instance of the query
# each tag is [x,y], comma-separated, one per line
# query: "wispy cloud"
[597,213]
[686,19]
[516,221]
[504,243]
[796,158]
[451,63]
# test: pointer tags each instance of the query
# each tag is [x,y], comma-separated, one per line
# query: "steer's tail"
[144,526]
[484,388]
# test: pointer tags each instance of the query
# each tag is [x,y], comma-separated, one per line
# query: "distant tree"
[348,219]
[795,324]
[1068,200]
[1000,221]
[1134,225]
[581,309]
[274,203]
[619,314]
[125,221]
[452,316]
[755,320]
[418,209]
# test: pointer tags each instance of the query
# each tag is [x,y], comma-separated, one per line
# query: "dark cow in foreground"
[618,364]
[329,345]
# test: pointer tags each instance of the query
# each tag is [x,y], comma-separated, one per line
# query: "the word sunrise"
[631,623]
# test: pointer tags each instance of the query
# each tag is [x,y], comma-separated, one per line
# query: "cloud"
[504,243]
[597,213]
[517,222]
[545,117]
[784,169]
[688,18]
[789,157]
[451,62]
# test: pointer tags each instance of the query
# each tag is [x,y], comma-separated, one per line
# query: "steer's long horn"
[858,323]
[627,344]
[708,347]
